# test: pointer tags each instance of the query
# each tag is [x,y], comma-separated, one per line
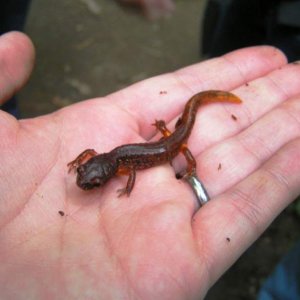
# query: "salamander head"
[96,171]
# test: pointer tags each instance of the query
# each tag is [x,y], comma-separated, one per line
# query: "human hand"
[151,245]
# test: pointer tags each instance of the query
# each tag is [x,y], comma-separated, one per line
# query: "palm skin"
[153,244]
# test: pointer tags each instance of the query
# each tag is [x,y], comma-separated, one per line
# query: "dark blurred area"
[233,24]
[13,15]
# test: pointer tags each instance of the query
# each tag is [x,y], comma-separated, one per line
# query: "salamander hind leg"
[178,123]
[81,159]
[191,163]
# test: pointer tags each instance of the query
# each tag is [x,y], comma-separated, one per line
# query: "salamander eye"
[96,181]
[80,169]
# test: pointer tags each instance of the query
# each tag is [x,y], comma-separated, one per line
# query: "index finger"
[162,97]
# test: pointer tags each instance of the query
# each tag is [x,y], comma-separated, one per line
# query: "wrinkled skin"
[152,245]
[153,9]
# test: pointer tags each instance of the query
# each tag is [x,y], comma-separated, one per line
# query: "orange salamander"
[94,170]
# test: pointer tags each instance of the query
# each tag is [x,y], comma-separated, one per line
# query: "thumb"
[16,63]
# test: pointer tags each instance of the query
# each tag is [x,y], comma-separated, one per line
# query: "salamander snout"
[95,172]
[88,178]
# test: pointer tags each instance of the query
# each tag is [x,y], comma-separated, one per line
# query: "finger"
[226,163]
[256,143]
[16,63]
[163,97]
[215,123]
[227,225]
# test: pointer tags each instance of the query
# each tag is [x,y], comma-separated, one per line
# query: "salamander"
[94,170]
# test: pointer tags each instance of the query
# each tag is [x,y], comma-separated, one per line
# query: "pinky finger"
[244,212]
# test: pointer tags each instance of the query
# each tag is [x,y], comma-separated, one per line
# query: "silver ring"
[198,188]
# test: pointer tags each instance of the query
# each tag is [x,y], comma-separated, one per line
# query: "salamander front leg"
[81,159]
[130,183]
[162,128]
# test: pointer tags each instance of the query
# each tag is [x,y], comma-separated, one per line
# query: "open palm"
[151,245]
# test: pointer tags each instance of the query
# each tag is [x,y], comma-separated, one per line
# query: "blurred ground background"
[86,51]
